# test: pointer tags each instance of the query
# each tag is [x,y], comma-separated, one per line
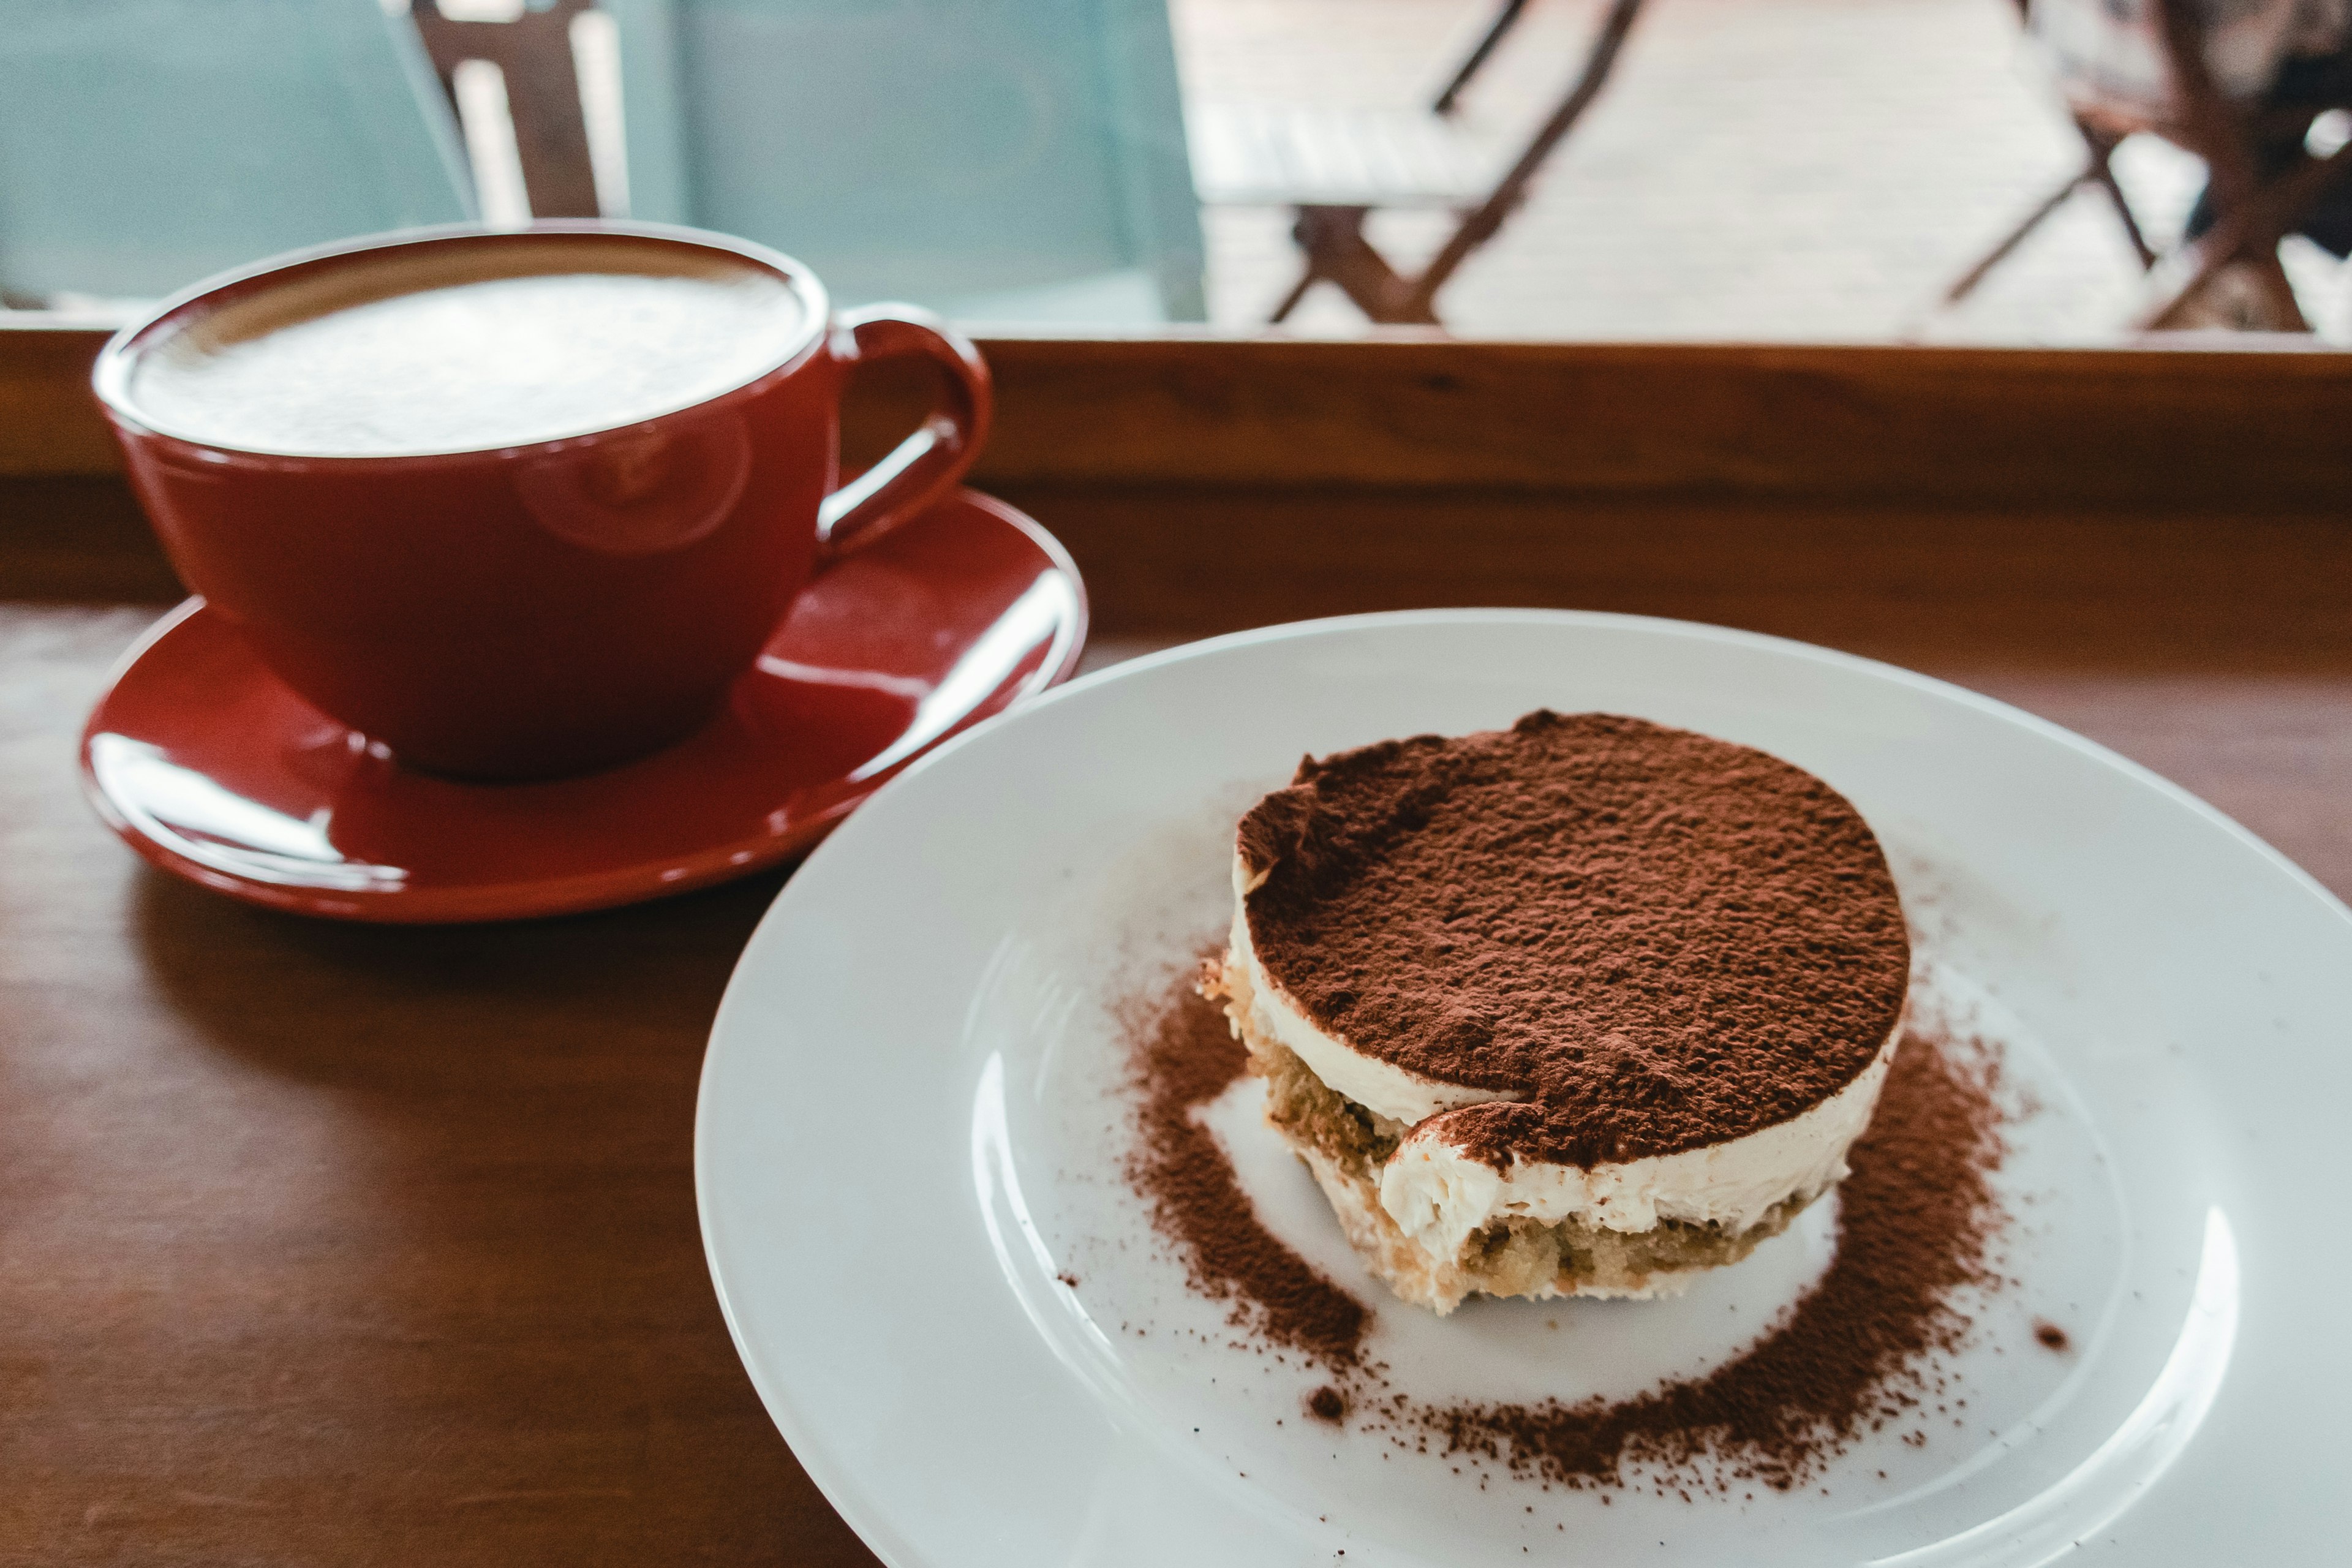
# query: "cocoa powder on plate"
[1184,1055]
[1856,1352]
[1914,1219]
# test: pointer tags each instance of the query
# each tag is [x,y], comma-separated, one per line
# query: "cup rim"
[111,376]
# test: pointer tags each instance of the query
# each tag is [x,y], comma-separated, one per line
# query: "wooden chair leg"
[2250,231]
[2098,169]
[1307,277]
[1966,284]
[1336,248]
[534,53]
[2251,215]
[1333,236]
[2283,311]
[2274,308]
[1483,222]
[2102,172]
[1504,21]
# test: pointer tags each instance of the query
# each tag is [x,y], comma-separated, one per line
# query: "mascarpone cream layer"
[1383,1087]
[1440,1197]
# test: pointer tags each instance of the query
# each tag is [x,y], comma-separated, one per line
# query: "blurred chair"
[1004,159]
[522,76]
[1335,167]
[144,144]
[2239,84]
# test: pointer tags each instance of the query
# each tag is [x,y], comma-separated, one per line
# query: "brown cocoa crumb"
[1327,1404]
[1183,1055]
[1652,940]
[2050,1335]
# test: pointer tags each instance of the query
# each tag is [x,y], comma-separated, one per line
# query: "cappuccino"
[457,349]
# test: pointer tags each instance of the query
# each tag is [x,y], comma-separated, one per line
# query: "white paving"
[1758,169]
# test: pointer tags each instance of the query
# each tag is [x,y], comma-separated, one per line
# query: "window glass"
[1834,170]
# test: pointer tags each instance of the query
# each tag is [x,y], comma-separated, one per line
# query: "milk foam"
[460,349]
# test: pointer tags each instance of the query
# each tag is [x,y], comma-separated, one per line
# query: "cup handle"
[927,464]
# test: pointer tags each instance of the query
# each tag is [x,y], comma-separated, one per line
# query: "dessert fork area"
[324,1243]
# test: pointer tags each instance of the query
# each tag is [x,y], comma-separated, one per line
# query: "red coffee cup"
[532,608]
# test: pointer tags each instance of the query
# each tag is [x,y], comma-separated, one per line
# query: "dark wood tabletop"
[334,1243]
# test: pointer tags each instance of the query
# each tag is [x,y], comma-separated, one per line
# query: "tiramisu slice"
[1580,1007]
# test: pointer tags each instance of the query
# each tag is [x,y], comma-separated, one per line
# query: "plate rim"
[1704,631]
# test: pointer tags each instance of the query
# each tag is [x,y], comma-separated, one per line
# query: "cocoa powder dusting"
[1184,1055]
[1856,1352]
[1650,939]
[1914,1219]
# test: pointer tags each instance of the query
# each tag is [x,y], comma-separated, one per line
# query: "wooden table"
[322,1243]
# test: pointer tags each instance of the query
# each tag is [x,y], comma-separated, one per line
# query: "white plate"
[911,1124]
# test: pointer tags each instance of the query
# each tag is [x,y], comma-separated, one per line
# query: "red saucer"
[211,769]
